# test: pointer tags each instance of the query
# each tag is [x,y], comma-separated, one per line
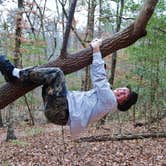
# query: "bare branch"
[159,29]
[68,27]
[73,29]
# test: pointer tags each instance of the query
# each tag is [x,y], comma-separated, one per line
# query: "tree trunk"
[76,61]
[1,122]
[17,52]
[10,133]
[88,38]
[118,26]
[68,27]
[90,22]
[10,130]
[17,63]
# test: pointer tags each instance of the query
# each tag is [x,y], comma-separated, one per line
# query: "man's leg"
[6,69]
[54,92]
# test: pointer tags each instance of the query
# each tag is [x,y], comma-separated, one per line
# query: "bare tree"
[117,29]
[88,37]
[1,122]
[17,52]
[68,27]
[17,62]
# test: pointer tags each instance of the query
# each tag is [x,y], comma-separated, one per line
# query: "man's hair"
[132,99]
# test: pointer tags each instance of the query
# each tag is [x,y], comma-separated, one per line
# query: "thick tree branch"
[82,58]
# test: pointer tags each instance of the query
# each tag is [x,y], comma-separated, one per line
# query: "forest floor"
[45,145]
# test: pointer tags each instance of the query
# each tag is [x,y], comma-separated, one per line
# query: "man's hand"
[96,43]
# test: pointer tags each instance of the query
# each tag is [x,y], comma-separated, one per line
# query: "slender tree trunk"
[113,67]
[118,26]
[90,22]
[119,14]
[63,3]
[157,92]
[88,38]
[17,52]
[68,27]
[1,122]
[100,14]
[10,130]
[17,61]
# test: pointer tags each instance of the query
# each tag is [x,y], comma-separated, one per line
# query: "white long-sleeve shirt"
[89,106]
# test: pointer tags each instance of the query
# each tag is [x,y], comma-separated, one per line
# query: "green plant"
[20,143]
[34,131]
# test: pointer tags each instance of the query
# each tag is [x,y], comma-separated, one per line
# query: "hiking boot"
[6,69]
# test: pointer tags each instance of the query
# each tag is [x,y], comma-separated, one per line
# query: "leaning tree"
[72,62]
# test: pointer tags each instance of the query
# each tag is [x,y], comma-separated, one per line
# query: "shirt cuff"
[16,72]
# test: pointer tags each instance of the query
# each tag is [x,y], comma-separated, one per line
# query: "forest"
[57,33]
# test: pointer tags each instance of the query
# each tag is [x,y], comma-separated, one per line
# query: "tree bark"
[88,37]
[76,61]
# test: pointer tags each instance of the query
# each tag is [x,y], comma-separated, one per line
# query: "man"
[75,108]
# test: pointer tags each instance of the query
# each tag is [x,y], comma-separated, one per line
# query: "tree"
[117,29]
[1,122]
[17,63]
[82,58]
[88,37]
[149,68]
[119,14]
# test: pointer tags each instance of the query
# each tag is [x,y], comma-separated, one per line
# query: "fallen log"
[108,137]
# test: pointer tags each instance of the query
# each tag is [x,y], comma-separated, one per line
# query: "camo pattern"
[53,91]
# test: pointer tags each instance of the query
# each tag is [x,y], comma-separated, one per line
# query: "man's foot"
[6,69]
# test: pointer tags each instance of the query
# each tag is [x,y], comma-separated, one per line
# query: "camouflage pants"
[54,91]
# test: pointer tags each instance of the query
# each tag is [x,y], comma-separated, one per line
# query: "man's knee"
[44,75]
[60,72]
[56,110]
[55,76]
[59,117]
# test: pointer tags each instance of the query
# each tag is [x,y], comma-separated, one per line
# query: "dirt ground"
[49,145]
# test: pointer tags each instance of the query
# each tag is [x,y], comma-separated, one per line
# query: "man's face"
[122,94]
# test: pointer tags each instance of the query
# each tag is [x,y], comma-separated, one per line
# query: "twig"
[29,110]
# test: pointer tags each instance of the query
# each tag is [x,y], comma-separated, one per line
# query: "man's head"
[125,98]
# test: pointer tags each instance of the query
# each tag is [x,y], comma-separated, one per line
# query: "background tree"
[17,62]
[149,59]
[1,121]
[89,35]
[116,21]
[119,14]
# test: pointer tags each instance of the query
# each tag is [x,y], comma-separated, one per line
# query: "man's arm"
[98,73]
